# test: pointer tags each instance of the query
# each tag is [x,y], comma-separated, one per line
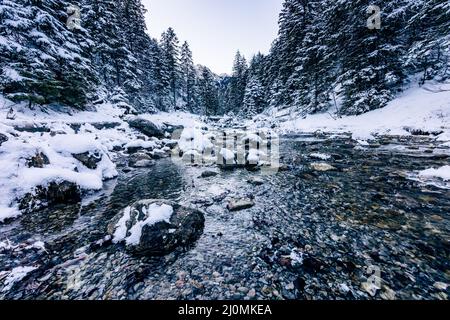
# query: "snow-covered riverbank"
[417,110]
[42,147]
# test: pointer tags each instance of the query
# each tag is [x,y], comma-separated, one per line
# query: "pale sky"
[216,29]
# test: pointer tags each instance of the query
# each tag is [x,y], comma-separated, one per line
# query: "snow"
[155,213]
[320,156]
[194,139]
[184,119]
[121,226]
[441,173]
[142,144]
[228,155]
[254,156]
[16,275]
[252,137]
[421,108]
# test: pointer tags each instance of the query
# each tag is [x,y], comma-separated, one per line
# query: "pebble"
[440,286]
[251,294]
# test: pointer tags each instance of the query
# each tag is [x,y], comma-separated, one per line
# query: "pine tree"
[371,69]
[253,98]
[208,92]
[238,82]
[43,61]
[188,77]
[171,64]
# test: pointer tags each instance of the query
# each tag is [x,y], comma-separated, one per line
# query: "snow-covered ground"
[424,108]
[58,137]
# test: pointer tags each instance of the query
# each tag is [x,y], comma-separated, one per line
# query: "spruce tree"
[188,77]
[171,64]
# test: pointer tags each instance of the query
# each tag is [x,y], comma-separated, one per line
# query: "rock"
[105,125]
[89,159]
[56,193]
[171,144]
[251,294]
[240,204]
[283,167]
[370,287]
[146,127]
[159,154]
[440,286]
[387,293]
[140,160]
[255,181]
[32,128]
[38,161]
[208,173]
[184,226]
[170,128]
[323,167]
[3,138]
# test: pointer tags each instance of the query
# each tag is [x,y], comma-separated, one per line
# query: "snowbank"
[418,108]
[441,173]
[60,135]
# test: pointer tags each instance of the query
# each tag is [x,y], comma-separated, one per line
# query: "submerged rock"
[256,181]
[240,204]
[140,160]
[156,227]
[323,167]
[209,173]
[146,127]
[38,161]
[89,159]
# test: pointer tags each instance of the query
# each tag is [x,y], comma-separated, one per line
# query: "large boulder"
[89,159]
[32,127]
[156,227]
[55,193]
[146,127]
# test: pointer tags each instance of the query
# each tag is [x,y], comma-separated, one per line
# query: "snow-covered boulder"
[156,227]
[146,127]
[89,159]
[55,193]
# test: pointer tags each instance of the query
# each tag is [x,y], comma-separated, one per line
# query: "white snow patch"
[320,156]
[155,213]
[16,275]
[441,173]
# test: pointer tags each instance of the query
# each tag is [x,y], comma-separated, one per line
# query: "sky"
[216,29]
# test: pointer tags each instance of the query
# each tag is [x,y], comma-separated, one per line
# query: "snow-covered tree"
[207,92]
[188,77]
[253,98]
[43,60]
[171,64]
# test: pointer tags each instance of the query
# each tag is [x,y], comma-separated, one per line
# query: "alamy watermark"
[374,21]
[74,19]
[228,149]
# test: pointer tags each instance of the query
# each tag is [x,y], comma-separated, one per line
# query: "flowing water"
[367,230]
